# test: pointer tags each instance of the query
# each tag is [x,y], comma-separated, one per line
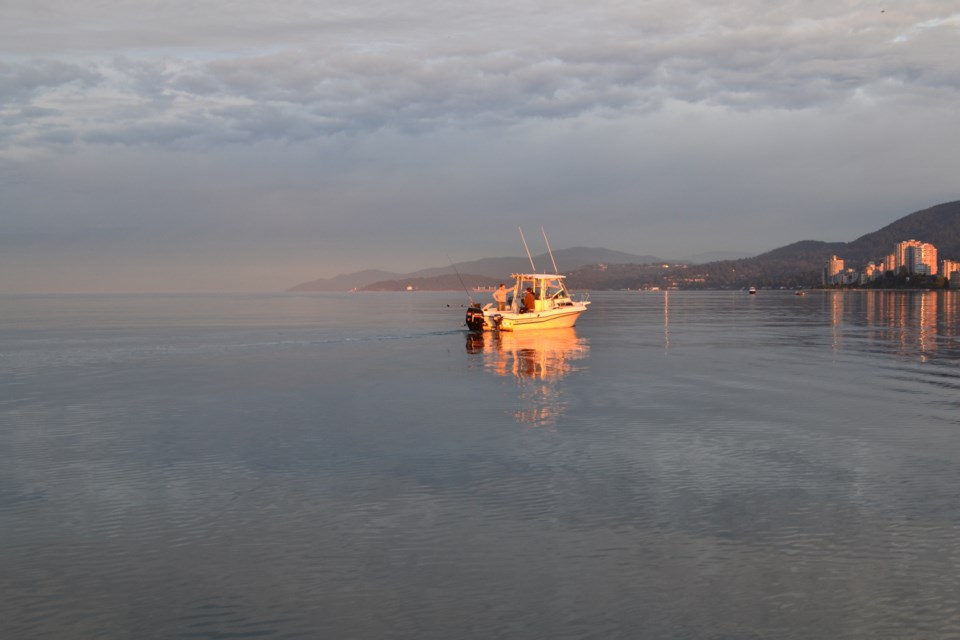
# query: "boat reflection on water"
[538,360]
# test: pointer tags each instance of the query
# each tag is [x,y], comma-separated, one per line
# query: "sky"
[214,145]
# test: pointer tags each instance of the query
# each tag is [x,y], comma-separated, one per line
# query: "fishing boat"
[549,306]
[752,291]
[536,301]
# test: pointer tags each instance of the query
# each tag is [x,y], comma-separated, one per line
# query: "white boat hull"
[563,318]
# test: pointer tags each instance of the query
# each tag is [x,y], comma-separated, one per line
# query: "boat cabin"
[548,289]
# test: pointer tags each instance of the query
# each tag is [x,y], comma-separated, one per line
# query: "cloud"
[377,67]
[23,81]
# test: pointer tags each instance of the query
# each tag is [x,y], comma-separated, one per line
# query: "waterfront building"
[916,257]
[926,259]
[890,263]
[949,267]
[910,257]
[833,271]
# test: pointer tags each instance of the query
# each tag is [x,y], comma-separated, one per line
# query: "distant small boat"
[752,291]
[800,293]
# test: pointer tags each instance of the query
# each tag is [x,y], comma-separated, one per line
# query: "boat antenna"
[465,290]
[549,250]
[528,250]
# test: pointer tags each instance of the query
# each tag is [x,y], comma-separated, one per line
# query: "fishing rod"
[533,268]
[549,250]
[465,290]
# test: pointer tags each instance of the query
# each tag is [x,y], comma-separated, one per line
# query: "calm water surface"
[682,465]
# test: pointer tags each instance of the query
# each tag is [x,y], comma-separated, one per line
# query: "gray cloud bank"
[304,70]
[193,129]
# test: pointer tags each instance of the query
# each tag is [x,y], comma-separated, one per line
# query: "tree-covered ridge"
[939,225]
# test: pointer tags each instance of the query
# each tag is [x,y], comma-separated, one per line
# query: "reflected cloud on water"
[538,361]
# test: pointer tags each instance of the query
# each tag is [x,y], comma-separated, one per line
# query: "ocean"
[694,465]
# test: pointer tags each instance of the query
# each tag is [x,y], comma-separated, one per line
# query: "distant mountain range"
[476,273]
[489,271]
[795,265]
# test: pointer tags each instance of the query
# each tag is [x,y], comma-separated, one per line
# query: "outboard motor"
[475,318]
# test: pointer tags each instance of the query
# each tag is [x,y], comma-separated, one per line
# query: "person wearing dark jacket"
[529,300]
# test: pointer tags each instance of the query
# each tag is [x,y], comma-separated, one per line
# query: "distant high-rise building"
[890,263]
[948,267]
[926,259]
[916,257]
[833,271]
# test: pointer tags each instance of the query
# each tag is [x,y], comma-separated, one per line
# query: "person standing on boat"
[500,297]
